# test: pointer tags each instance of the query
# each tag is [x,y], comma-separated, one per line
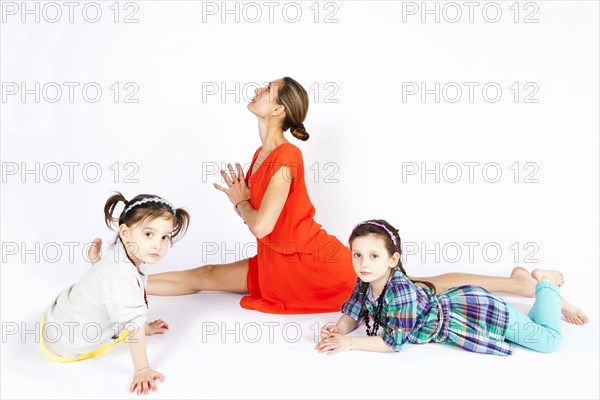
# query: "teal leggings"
[540,331]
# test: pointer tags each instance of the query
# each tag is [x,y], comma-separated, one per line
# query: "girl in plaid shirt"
[409,311]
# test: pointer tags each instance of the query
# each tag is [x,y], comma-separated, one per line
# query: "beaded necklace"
[377,314]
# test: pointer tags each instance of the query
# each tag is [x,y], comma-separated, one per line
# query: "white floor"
[216,349]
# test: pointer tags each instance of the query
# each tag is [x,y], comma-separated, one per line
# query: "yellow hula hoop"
[122,336]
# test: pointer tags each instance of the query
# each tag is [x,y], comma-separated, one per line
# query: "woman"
[299,268]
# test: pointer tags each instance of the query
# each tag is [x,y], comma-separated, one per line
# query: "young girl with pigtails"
[109,305]
[410,311]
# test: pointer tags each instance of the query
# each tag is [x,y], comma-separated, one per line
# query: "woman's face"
[263,104]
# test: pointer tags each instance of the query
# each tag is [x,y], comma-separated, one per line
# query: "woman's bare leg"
[225,277]
[520,283]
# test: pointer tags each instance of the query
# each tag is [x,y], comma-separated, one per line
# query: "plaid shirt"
[469,317]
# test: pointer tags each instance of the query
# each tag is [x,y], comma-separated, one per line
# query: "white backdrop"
[470,126]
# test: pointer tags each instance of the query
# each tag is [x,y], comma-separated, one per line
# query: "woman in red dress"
[299,267]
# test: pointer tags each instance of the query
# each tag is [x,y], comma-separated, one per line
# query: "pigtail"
[182,222]
[363,313]
[109,208]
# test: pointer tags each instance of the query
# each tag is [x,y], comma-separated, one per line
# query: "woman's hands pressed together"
[236,189]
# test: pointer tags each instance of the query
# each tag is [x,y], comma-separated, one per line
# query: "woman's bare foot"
[573,314]
[548,275]
[523,281]
[94,251]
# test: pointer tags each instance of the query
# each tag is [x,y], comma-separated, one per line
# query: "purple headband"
[382,227]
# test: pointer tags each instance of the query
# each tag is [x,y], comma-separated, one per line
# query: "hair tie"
[148,200]
[385,228]
[299,126]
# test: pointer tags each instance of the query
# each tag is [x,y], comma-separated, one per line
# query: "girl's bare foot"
[573,314]
[526,283]
[548,275]
[94,250]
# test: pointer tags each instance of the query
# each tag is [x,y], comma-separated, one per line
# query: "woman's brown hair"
[295,100]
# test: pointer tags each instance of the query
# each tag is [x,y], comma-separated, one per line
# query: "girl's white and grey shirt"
[108,298]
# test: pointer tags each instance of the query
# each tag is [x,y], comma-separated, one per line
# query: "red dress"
[299,268]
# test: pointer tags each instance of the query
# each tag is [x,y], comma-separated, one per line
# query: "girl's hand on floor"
[334,343]
[328,330]
[144,380]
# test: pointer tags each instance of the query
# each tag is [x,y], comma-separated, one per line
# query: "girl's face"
[263,104]
[371,260]
[148,241]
